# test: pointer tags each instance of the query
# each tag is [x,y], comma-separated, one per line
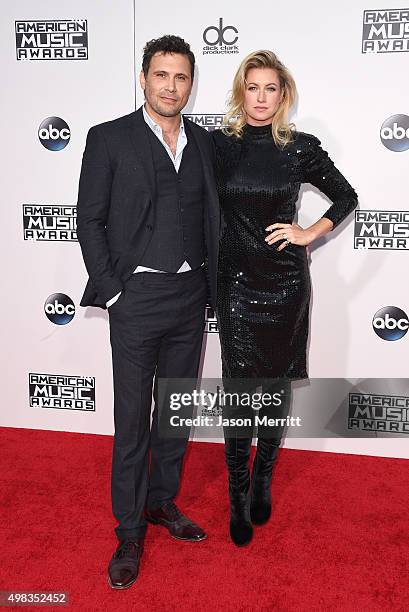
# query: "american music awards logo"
[210,321]
[209,122]
[52,39]
[381,229]
[50,223]
[380,413]
[385,31]
[62,392]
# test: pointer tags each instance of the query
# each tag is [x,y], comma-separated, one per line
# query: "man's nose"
[171,85]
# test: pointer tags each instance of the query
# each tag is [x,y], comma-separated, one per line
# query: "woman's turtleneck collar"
[257,130]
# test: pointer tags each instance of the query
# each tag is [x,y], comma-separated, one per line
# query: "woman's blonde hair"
[235,118]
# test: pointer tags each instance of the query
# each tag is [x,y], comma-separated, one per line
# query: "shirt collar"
[154,126]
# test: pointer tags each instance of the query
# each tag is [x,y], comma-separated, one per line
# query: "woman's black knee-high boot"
[266,455]
[268,444]
[237,459]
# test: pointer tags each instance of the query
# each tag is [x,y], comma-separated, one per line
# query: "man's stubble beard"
[163,112]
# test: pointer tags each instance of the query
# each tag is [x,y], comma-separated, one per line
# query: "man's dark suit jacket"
[116,204]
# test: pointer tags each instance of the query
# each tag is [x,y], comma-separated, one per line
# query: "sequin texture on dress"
[264,294]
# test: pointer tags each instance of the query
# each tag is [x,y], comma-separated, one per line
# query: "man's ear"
[142,80]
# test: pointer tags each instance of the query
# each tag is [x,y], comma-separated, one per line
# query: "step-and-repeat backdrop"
[70,65]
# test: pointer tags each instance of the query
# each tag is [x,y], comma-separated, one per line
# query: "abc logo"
[218,37]
[390,323]
[59,308]
[395,133]
[54,133]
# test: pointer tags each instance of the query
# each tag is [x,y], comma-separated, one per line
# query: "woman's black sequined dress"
[264,294]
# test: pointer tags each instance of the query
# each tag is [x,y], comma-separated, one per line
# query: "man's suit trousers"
[156,331]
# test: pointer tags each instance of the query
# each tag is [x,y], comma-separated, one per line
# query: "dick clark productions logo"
[390,323]
[54,133]
[220,39]
[59,308]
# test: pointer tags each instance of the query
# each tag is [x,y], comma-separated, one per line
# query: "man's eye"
[181,78]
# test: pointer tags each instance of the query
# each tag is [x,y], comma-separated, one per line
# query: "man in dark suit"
[148,226]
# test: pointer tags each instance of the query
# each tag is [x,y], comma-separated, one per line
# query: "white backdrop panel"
[83,93]
[344,97]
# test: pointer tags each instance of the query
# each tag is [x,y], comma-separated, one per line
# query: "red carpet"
[338,539]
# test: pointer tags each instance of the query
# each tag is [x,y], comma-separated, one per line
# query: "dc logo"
[395,133]
[218,37]
[59,308]
[54,133]
[390,323]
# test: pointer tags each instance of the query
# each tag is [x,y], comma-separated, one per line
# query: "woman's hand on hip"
[290,233]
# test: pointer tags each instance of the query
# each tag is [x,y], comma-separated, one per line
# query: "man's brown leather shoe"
[178,525]
[124,565]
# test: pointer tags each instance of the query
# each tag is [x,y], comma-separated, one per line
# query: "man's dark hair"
[167,44]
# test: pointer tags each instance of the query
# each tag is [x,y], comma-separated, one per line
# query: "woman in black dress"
[264,280]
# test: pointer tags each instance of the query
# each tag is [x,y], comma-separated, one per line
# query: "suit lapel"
[208,175]
[140,140]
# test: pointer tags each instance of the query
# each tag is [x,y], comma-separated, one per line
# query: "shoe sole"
[155,522]
[120,588]
[187,539]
